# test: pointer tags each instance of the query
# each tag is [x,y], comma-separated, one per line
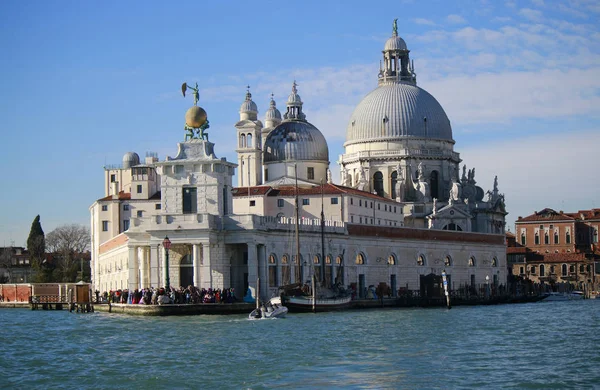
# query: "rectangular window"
[394,209]
[385,207]
[334,200]
[190,200]
[104,226]
[139,188]
[157,206]
[371,204]
[252,203]
[541,227]
[360,219]
[351,201]
[279,202]
[523,241]
[305,202]
[179,169]
[378,206]
[113,178]
[140,213]
[104,207]
[360,202]
[568,240]
[125,224]
[272,276]
[310,173]
[546,239]
[266,175]
[352,218]
[125,207]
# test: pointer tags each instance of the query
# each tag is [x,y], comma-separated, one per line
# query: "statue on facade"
[328,176]
[464,174]
[421,185]
[399,184]
[434,206]
[362,184]
[455,192]
[496,184]
[196,121]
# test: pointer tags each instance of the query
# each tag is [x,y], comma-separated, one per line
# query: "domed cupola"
[296,140]
[130,159]
[272,116]
[248,110]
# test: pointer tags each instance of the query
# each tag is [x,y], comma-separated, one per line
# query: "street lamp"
[167,246]
[487,286]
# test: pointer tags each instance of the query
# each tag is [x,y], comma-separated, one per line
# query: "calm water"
[541,345]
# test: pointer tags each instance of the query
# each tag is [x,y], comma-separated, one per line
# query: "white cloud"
[455,19]
[425,22]
[543,171]
[531,14]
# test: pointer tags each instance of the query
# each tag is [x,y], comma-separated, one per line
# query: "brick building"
[557,248]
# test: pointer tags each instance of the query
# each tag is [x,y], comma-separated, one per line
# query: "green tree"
[36,242]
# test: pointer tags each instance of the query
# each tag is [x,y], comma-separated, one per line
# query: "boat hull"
[305,304]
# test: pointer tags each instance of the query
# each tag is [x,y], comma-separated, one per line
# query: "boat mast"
[297,224]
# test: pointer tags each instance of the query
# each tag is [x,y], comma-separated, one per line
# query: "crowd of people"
[160,296]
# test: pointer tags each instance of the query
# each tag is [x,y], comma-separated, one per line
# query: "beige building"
[401,211]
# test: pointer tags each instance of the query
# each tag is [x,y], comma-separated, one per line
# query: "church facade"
[402,210]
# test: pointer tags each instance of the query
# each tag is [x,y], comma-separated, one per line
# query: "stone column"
[261,263]
[205,267]
[142,265]
[153,256]
[133,268]
[196,263]
[252,266]
[164,267]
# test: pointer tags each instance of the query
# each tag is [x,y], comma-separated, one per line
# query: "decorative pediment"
[248,124]
[450,217]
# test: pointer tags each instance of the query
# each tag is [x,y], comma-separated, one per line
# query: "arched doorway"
[378,183]
[186,271]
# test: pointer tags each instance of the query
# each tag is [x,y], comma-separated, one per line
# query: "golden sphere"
[195,117]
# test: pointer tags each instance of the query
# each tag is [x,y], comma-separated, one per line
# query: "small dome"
[195,117]
[272,113]
[295,141]
[395,43]
[294,98]
[248,105]
[130,159]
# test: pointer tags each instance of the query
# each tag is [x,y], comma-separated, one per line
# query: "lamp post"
[167,246]
[487,286]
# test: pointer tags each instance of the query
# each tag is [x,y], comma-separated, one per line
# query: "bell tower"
[249,147]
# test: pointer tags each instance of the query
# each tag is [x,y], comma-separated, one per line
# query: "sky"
[82,83]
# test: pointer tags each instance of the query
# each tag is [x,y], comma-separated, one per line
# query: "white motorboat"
[558,296]
[271,309]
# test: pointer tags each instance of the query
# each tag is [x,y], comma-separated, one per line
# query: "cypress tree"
[36,242]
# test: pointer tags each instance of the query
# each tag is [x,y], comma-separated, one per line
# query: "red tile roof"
[424,234]
[557,257]
[254,191]
[546,215]
[122,196]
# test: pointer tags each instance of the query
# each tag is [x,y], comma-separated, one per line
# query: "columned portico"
[205,266]
[196,248]
[133,269]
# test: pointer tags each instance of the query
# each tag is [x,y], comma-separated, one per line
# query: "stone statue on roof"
[395,27]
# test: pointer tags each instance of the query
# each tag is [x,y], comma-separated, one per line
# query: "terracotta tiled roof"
[516,250]
[254,191]
[587,214]
[556,257]
[122,196]
[424,234]
[546,215]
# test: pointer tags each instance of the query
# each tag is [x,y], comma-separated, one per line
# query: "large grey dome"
[395,111]
[295,141]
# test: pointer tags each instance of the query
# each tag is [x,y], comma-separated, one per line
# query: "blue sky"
[85,82]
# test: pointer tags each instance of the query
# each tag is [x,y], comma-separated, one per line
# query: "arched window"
[378,183]
[471,261]
[328,271]
[339,276]
[297,269]
[537,238]
[433,185]
[568,238]
[523,241]
[581,268]
[494,262]
[556,237]
[249,140]
[316,259]
[360,259]
[421,260]
[272,271]
[448,261]
[572,268]
[392,259]
[285,270]
[394,182]
[546,238]
[564,270]
[542,270]
[242,140]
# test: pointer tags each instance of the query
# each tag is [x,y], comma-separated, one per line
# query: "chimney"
[114,189]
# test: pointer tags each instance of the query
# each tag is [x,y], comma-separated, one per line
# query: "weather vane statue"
[394,29]
[196,121]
